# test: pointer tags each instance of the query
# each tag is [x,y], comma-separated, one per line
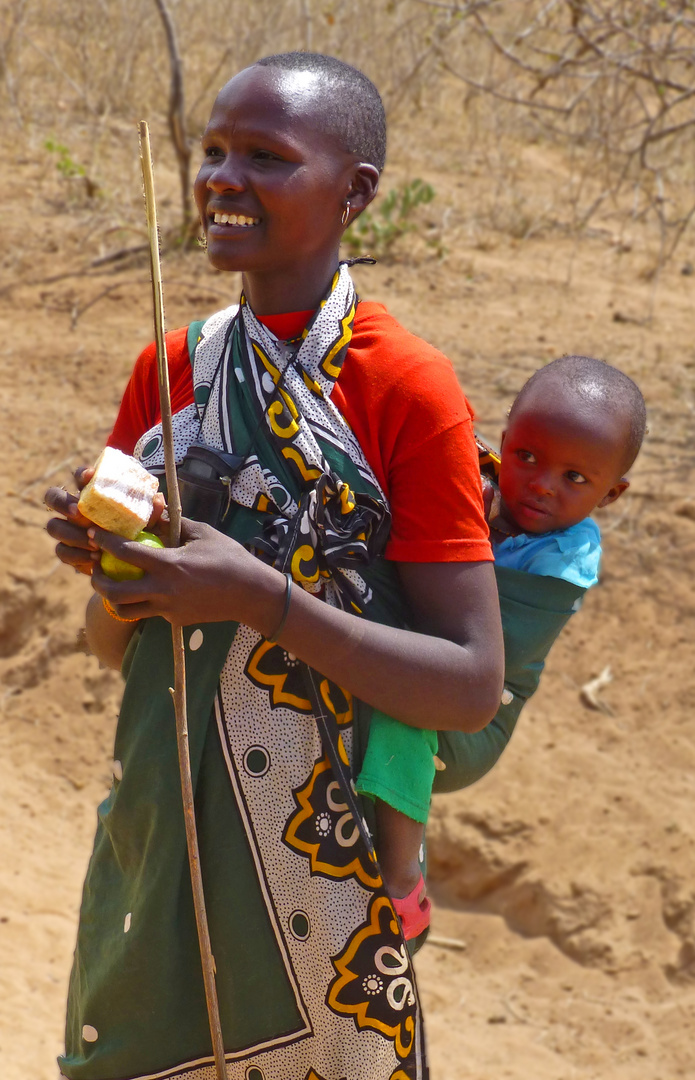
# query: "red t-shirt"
[401,398]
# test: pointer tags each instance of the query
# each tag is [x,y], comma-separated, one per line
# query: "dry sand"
[568,871]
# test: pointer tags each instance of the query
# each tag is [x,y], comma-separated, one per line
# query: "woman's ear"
[615,492]
[365,184]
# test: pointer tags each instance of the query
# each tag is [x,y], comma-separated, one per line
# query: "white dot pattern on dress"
[195,640]
[127,921]
[186,426]
[117,769]
[89,1033]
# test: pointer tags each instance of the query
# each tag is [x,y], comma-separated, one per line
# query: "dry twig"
[591,689]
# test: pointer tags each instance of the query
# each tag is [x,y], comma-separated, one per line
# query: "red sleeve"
[403,401]
[139,409]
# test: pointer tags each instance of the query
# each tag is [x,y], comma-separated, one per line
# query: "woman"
[356,479]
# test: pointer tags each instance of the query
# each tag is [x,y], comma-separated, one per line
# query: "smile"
[235,219]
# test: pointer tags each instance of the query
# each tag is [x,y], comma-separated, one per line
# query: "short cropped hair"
[597,382]
[352,107]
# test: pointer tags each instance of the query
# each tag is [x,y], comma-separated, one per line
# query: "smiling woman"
[291,186]
[351,571]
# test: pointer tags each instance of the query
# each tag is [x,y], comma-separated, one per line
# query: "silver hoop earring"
[346,214]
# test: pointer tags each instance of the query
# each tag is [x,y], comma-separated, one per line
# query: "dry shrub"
[609,81]
[81,74]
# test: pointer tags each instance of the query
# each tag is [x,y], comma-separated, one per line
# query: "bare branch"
[176,116]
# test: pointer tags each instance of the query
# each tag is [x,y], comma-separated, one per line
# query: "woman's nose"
[226,176]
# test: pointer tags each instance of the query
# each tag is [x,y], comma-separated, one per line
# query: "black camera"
[205,478]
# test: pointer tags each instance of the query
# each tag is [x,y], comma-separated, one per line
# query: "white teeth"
[234,219]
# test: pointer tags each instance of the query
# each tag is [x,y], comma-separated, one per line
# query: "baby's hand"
[489,491]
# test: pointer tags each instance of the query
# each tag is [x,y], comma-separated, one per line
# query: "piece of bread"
[120,495]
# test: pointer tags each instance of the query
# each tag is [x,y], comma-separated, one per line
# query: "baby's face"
[559,463]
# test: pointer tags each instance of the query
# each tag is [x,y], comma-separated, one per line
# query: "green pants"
[398,766]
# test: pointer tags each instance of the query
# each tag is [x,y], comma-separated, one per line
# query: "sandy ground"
[567,874]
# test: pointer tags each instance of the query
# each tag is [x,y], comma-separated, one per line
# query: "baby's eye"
[575,477]
[526,456]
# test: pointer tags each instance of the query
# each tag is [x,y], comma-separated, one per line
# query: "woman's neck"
[300,288]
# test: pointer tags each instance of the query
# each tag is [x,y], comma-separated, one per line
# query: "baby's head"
[573,431]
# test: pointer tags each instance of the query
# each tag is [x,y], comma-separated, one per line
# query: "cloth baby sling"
[314,980]
[399,762]
[534,610]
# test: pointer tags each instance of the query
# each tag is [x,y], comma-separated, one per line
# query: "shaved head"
[593,385]
[346,102]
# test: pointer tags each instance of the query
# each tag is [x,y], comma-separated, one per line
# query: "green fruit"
[119,569]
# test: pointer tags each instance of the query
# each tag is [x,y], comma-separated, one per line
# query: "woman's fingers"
[77,557]
[65,503]
[120,592]
[70,533]
[83,474]
[143,556]
[158,509]
[60,500]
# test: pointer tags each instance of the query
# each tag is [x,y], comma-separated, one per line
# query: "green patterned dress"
[314,978]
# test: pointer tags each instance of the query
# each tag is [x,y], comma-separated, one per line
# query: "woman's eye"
[575,477]
[265,155]
[213,152]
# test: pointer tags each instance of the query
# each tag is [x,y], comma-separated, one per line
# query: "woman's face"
[274,181]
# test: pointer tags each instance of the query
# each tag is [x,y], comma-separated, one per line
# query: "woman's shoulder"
[375,328]
[387,359]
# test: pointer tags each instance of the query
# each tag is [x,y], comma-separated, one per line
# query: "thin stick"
[179,691]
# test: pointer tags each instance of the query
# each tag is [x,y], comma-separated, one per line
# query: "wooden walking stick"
[179,691]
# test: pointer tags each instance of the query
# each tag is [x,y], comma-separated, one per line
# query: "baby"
[573,431]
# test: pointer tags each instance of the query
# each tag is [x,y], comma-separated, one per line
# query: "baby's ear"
[615,492]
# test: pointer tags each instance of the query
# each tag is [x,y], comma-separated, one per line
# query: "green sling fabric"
[534,611]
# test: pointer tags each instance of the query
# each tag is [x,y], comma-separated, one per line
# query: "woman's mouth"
[234,219]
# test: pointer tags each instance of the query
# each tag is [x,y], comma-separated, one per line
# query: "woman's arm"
[447,674]
[107,638]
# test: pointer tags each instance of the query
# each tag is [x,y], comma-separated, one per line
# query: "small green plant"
[65,164]
[376,231]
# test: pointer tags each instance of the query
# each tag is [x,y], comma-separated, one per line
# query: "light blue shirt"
[572,554]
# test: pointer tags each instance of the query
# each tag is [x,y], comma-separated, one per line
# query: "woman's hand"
[74,546]
[210,578]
